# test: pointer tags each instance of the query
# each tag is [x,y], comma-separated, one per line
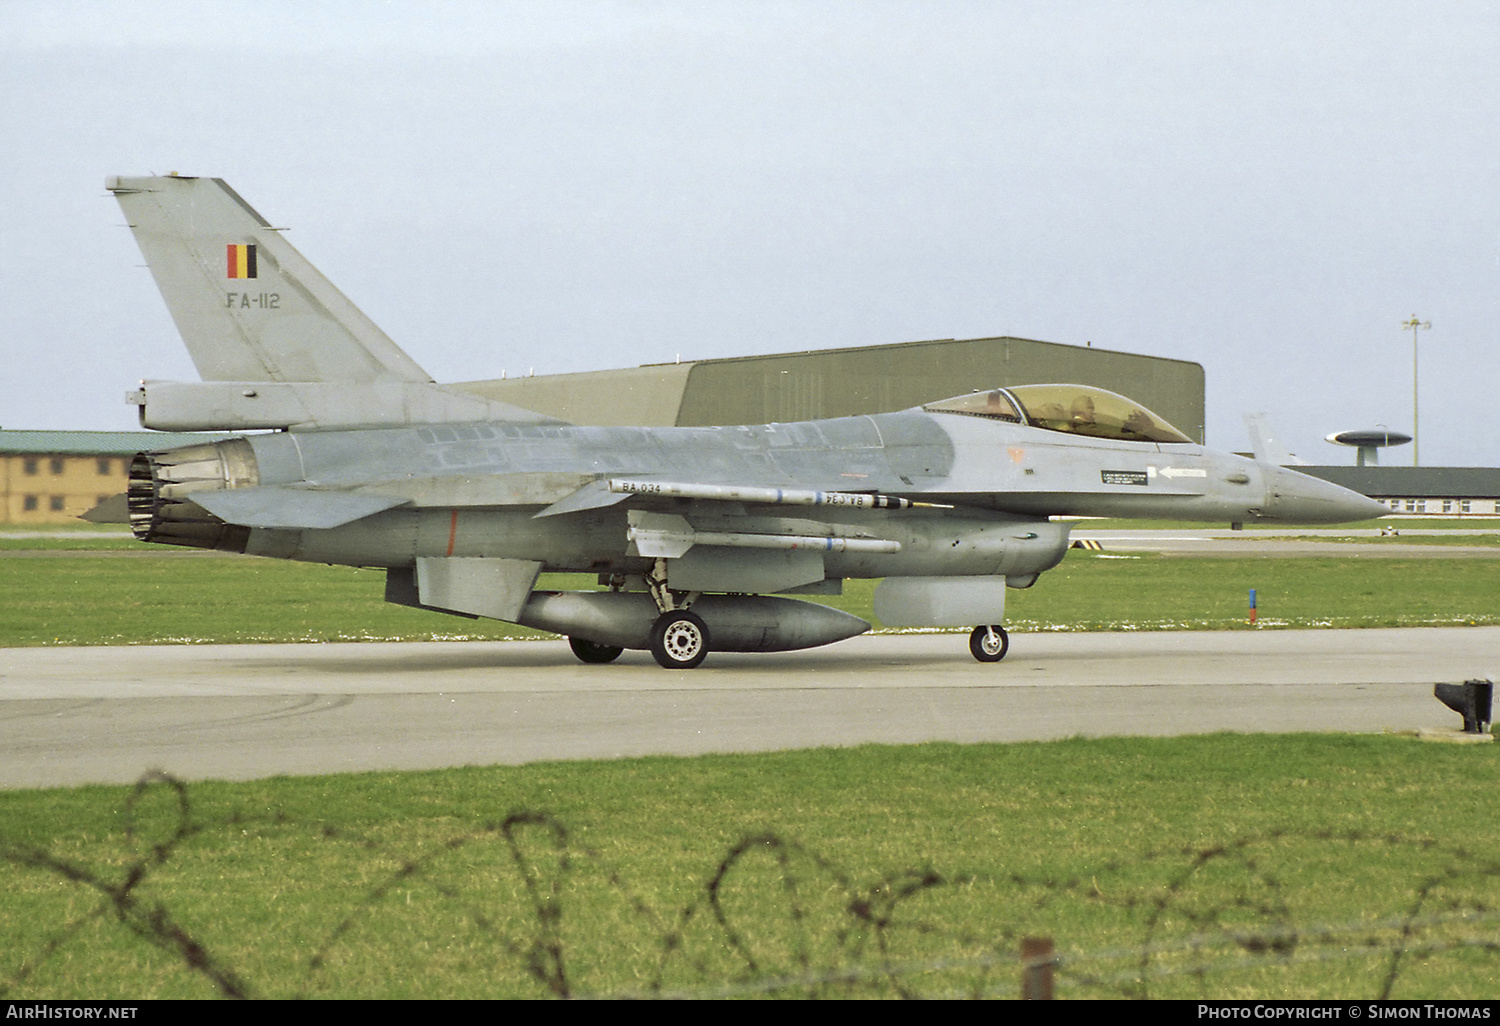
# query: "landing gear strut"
[679,639]
[989,644]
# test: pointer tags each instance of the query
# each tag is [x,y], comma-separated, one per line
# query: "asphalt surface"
[105,715]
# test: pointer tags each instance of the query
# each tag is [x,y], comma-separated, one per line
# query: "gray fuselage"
[487,489]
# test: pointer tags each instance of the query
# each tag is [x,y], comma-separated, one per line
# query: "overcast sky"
[1268,189]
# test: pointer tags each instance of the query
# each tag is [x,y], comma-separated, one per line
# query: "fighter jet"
[696,535]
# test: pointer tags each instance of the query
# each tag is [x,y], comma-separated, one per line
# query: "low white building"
[1422,491]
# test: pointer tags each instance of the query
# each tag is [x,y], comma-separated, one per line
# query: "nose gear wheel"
[989,644]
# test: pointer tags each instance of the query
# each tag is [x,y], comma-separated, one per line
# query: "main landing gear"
[679,639]
[989,644]
[592,652]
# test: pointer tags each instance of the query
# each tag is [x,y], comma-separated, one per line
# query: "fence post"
[1036,968]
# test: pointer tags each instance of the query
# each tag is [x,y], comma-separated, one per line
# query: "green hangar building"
[847,382]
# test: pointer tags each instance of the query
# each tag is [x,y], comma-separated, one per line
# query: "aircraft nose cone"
[1300,498]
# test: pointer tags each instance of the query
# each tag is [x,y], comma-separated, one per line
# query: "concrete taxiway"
[81,715]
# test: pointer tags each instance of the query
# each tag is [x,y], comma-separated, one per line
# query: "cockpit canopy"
[1075,409]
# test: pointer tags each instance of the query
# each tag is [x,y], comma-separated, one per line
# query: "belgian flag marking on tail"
[241,261]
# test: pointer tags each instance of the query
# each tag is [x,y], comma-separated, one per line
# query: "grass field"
[166,598]
[1215,866]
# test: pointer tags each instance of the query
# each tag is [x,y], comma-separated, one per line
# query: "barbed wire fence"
[533,912]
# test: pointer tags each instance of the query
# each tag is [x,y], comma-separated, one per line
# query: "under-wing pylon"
[697,535]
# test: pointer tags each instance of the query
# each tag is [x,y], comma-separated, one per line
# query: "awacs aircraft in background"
[695,533]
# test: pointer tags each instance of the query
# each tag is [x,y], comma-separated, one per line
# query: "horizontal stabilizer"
[292,508]
[110,510]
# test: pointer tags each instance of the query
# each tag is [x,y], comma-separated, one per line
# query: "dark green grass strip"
[1227,865]
[163,599]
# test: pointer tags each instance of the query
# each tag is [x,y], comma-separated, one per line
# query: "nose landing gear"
[989,644]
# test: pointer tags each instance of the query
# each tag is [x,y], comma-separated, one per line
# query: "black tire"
[679,640]
[987,647]
[593,652]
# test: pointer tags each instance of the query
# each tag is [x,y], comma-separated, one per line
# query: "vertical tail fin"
[1266,445]
[248,305]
